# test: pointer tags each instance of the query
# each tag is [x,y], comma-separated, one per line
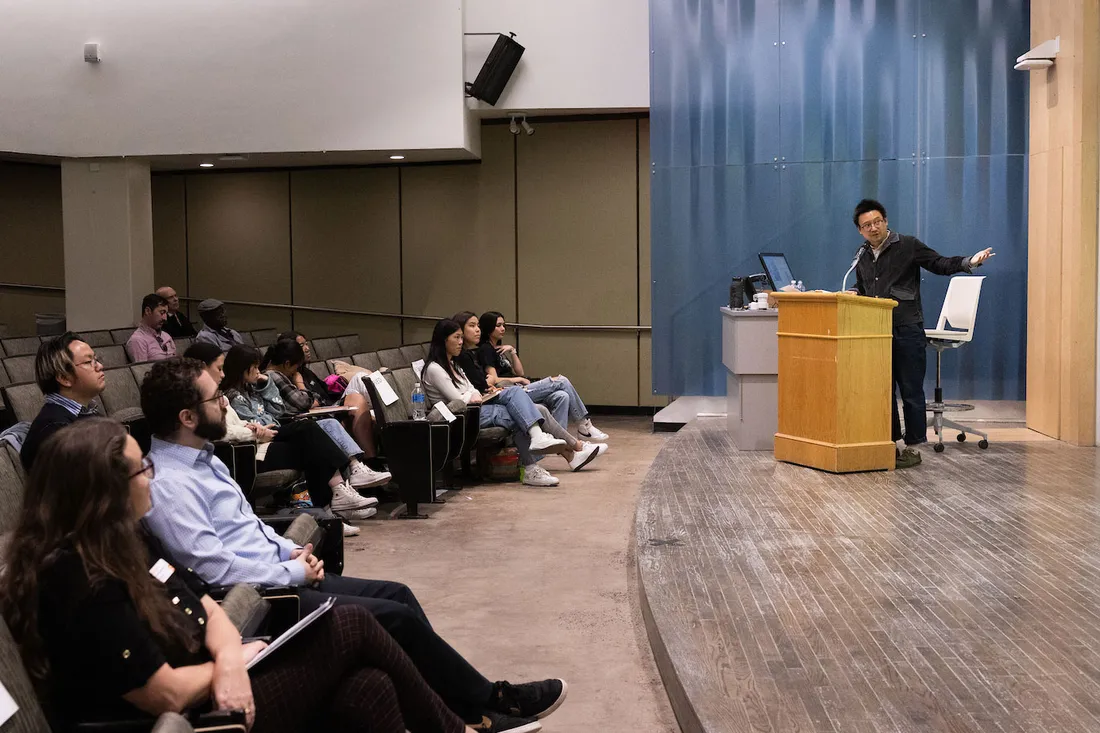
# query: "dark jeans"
[303,445]
[910,360]
[462,687]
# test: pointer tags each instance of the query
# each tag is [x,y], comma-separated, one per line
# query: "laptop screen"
[777,269]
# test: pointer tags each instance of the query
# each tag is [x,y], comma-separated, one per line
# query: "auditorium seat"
[122,335]
[413,352]
[23,401]
[121,397]
[112,356]
[2,352]
[367,361]
[97,338]
[140,370]
[21,346]
[247,337]
[321,368]
[415,450]
[182,344]
[11,487]
[325,348]
[349,343]
[20,368]
[392,359]
[264,337]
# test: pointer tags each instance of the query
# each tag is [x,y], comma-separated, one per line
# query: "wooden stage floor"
[961,595]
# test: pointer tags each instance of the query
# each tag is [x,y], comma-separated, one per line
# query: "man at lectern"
[888,266]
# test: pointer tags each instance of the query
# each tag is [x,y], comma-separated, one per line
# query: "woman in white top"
[512,409]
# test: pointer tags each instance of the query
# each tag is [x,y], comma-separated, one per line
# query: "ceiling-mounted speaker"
[496,71]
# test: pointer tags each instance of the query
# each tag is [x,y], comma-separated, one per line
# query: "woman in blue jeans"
[443,380]
[483,339]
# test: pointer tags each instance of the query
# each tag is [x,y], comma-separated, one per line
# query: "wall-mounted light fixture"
[1040,57]
[518,120]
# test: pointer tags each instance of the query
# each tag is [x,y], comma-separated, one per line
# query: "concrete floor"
[531,583]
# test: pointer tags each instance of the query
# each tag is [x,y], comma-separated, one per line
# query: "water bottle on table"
[418,409]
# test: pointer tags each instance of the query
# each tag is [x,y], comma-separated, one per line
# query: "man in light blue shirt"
[201,516]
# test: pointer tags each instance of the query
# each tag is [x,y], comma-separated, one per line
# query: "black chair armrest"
[218,720]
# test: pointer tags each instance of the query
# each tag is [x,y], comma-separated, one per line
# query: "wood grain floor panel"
[961,595]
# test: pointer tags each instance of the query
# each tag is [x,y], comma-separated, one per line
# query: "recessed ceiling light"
[397,157]
[206,165]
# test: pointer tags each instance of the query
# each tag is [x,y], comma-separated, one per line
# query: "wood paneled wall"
[32,247]
[1063,185]
[551,228]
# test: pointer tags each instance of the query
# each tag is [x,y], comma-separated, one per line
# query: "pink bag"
[336,384]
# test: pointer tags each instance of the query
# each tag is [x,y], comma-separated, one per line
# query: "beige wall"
[551,228]
[31,243]
[1063,178]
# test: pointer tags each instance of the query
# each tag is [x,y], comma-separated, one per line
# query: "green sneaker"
[907,458]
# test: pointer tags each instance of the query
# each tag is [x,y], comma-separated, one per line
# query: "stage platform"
[961,595]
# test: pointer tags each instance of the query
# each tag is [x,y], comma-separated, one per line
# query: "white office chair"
[960,310]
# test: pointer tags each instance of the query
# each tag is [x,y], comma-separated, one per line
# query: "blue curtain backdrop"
[770,119]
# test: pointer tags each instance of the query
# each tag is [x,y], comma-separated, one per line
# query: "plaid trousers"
[345,672]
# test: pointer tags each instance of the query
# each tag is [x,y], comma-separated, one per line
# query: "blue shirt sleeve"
[181,521]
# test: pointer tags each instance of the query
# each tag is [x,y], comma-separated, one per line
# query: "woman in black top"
[109,629]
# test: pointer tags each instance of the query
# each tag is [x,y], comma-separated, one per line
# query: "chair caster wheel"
[938,447]
[983,444]
[961,437]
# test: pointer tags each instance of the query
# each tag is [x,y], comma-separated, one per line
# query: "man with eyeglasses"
[888,266]
[69,374]
[150,342]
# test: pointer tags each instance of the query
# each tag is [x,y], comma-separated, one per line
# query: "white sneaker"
[585,456]
[546,443]
[604,447]
[536,475]
[588,431]
[349,530]
[350,515]
[345,498]
[363,477]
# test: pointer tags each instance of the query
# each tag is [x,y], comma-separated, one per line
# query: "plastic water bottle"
[794,285]
[419,413]
[801,287]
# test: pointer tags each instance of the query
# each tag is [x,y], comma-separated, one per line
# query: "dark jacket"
[177,326]
[48,421]
[896,274]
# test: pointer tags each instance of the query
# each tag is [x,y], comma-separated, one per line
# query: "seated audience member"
[310,381]
[503,367]
[150,342]
[112,628]
[302,445]
[256,397]
[285,365]
[553,404]
[511,409]
[69,374]
[215,329]
[176,324]
[200,515]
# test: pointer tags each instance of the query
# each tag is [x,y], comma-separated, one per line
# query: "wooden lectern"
[835,381]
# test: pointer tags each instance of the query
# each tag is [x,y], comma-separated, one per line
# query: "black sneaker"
[494,722]
[529,700]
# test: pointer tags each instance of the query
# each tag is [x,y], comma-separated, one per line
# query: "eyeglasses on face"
[218,397]
[90,362]
[147,468]
[869,225]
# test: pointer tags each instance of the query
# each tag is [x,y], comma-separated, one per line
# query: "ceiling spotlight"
[397,157]
[513,126]
[206,165]
[526,127]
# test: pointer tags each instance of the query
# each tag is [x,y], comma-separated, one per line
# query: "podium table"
[835,381]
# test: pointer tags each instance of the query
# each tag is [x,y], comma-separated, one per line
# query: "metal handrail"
[374,314]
